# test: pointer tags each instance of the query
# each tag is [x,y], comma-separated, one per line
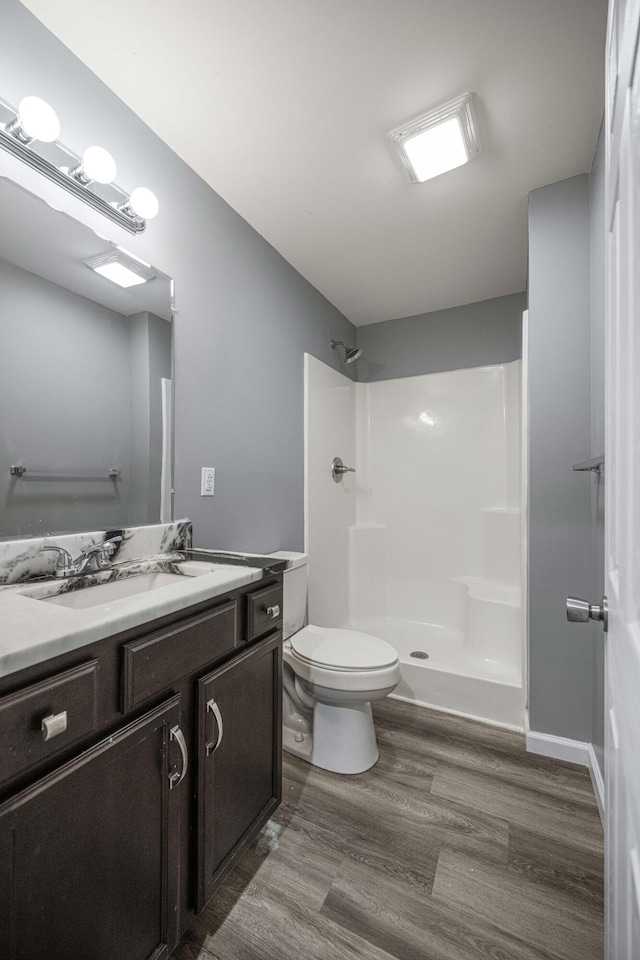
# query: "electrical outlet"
[207,481]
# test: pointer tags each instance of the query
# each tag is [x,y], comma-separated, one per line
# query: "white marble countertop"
[32,630]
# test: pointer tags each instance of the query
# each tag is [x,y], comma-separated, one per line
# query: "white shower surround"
[422,545]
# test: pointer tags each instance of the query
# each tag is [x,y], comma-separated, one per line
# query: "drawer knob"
[273,612]
[53,725]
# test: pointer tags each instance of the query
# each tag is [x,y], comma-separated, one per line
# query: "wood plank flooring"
[457,845]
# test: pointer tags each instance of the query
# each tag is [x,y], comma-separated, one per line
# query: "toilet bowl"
[331,675]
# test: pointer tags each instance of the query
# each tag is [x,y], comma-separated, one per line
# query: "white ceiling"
[283,107]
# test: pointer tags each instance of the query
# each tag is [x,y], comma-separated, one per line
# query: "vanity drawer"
[61,709]
[264,610]
[157,661]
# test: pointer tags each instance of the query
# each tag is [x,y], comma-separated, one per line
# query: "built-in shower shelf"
[491,591]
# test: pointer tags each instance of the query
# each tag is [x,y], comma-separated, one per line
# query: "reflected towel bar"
[21,471]
[596,464]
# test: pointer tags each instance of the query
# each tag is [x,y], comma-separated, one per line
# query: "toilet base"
[343,739]
[302,748]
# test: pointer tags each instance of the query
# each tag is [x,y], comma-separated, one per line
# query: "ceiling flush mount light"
[30,133]
[122,268]
[438,141]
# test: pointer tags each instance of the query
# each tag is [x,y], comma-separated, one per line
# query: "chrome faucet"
[64,563]
[98,555]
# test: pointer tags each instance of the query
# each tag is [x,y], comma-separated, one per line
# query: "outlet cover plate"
[207,481]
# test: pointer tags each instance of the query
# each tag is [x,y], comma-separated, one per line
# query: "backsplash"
[22,560]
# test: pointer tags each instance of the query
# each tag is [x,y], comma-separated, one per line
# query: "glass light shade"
[437,149]
[38,120]
[144,203]
[98,165]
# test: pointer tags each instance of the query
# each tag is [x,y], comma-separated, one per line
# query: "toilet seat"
[337,649]
[376,669]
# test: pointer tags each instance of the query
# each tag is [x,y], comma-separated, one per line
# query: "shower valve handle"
[338,469]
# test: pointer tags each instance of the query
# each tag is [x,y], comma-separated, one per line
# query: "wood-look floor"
[457,845]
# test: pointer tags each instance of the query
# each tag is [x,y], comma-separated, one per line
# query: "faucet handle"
[64,562]
[100,552]
[111,544]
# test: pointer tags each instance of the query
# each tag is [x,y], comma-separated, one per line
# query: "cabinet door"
[88,855]
[239,758]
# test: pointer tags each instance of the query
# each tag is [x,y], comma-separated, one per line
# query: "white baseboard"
[573,751]
[597,781]
[559,748]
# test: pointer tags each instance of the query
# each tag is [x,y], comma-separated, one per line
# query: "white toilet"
[330,677]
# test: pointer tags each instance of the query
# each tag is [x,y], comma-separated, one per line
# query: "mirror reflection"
[85,380]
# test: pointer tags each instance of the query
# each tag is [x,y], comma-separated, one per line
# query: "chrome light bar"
[60,164]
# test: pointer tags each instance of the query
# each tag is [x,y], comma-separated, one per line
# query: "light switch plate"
[207,481]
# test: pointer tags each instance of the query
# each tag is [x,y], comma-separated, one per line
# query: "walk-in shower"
[422,545]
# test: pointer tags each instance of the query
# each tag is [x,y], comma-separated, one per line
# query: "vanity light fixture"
[30,133]
[440,140]
[121,267]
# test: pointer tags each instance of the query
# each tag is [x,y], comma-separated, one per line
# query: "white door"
[622,463]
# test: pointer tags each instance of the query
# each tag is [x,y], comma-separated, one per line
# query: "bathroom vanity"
[138,764]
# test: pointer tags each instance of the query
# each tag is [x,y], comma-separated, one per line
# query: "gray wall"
[245,316]
[64,397]
[473,335]
[597,258]
[561,661]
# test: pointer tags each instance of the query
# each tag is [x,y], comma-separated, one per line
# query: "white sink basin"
[114,590]
[128,584]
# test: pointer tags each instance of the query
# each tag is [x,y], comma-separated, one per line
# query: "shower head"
[350,353]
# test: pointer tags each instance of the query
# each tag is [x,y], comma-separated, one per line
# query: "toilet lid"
[342,649]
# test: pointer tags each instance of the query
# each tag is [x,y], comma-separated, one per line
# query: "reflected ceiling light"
[132,256]
[30,134]
[143,202]
[97,166]
[36,120]
[121,268]
[438,141]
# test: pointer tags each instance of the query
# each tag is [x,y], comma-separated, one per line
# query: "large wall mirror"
[85,380]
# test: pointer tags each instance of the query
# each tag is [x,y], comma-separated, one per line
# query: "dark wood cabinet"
[160,659]
[239,708]
[89,854]
[115,828]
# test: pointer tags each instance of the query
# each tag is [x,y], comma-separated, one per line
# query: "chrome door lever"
[580,611]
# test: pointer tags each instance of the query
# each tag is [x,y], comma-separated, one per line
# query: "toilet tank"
[294,591]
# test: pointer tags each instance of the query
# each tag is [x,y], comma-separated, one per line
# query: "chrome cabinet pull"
[273,612]
[53,725]
[177,778]
[212,707]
